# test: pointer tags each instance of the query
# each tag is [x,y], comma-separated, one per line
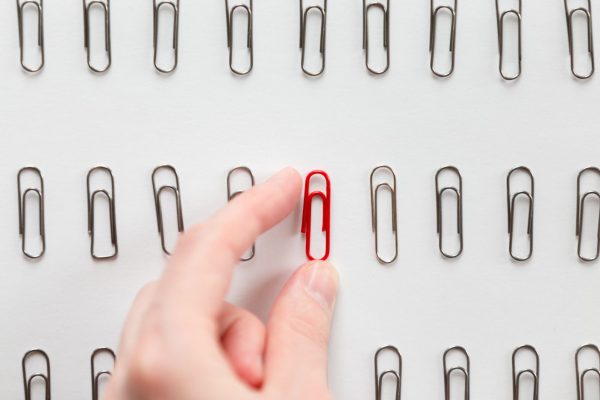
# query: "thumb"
[298,333]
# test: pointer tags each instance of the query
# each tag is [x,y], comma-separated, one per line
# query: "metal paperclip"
[322,10]
[231,194]
[396,375]
[159,214]
[459,209]
[510,202]
[581,374]
[307,213]
[385,9]
[96,376]
[374,197]
[464,370]
[87,6]
[45,377]
[535,373]
[248,9]
[580,214]
[432,31]
[91,199]
[174,4]
[39,5]
[517,12]
[570,13]
[39,193]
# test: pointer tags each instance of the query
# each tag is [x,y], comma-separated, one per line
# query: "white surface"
[205,121]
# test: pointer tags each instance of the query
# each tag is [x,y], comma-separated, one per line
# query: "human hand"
[182,341]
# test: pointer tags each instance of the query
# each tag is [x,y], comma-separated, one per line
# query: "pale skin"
[183,341]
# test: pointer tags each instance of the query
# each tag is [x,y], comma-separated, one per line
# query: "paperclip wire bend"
[307,213]
[91,198]
[510,200]
[580,213]
[374,211]
[105,5]
[232,194]
[385,10]
[39,193]
[97,375]
[379,376]
[248,9]
[44,377]
[590,34]
[39,5]
[581,374]
[174,4]
[518,13]
[157,192]
[464,370]
[432,32]
[535,373]
[322,10]
[459,209]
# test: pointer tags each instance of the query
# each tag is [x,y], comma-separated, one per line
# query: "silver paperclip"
[322,10]
[248,9]
[570,13]
[39,193]
[159,214]
[91,199]
[105,6]
[44,377]
[96,376]
[581,374]
[432,32]
[534,373]
[459,209]
[385,9]
[374,207]
[39,6]
[174,4]
[395,374]
[510,202]
[580,214]
[231,194]
[463,370]
[500,16]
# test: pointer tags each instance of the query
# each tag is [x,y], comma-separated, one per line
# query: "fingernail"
[321,283]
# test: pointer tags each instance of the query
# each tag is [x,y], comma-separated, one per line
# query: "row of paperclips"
[460,373]
[246,7]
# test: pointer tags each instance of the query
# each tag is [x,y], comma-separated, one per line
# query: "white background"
[204,120]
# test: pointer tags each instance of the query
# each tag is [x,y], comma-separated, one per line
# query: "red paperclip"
[307,212]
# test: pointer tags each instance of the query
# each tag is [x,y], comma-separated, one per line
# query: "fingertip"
[288,177]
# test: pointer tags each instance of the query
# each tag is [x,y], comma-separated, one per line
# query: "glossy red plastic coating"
[307,212]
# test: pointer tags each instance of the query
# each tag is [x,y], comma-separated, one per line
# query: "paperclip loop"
[174,4]
[91,199]
[570,14]
[96,376]
[39,193]
[395,374]
[464,370]
[248,9]
[581,374]
[510,202]
[500,16]
[534,373]
[159,213]
[39,6]
[87,6]
[307,213]
[374,211]
[44,377]
[231,194]
[322,11]
[459,209]
[432,32]
[385,9]
[581,200]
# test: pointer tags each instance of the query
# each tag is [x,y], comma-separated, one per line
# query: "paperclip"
[27,381]
[87,6]
[464,370]
[91,199]
[159,214]
[231,194]
[96,376]
[374,201]
[535,373]
[588,15]
[322,10]
[432,31]
[581,374]
[174,4]
[39,193]
[396,375]
[580,214]
[385,9]
[510,202]
[517,12]
[459,209]
[39,5]
[248,9]
[307,213]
